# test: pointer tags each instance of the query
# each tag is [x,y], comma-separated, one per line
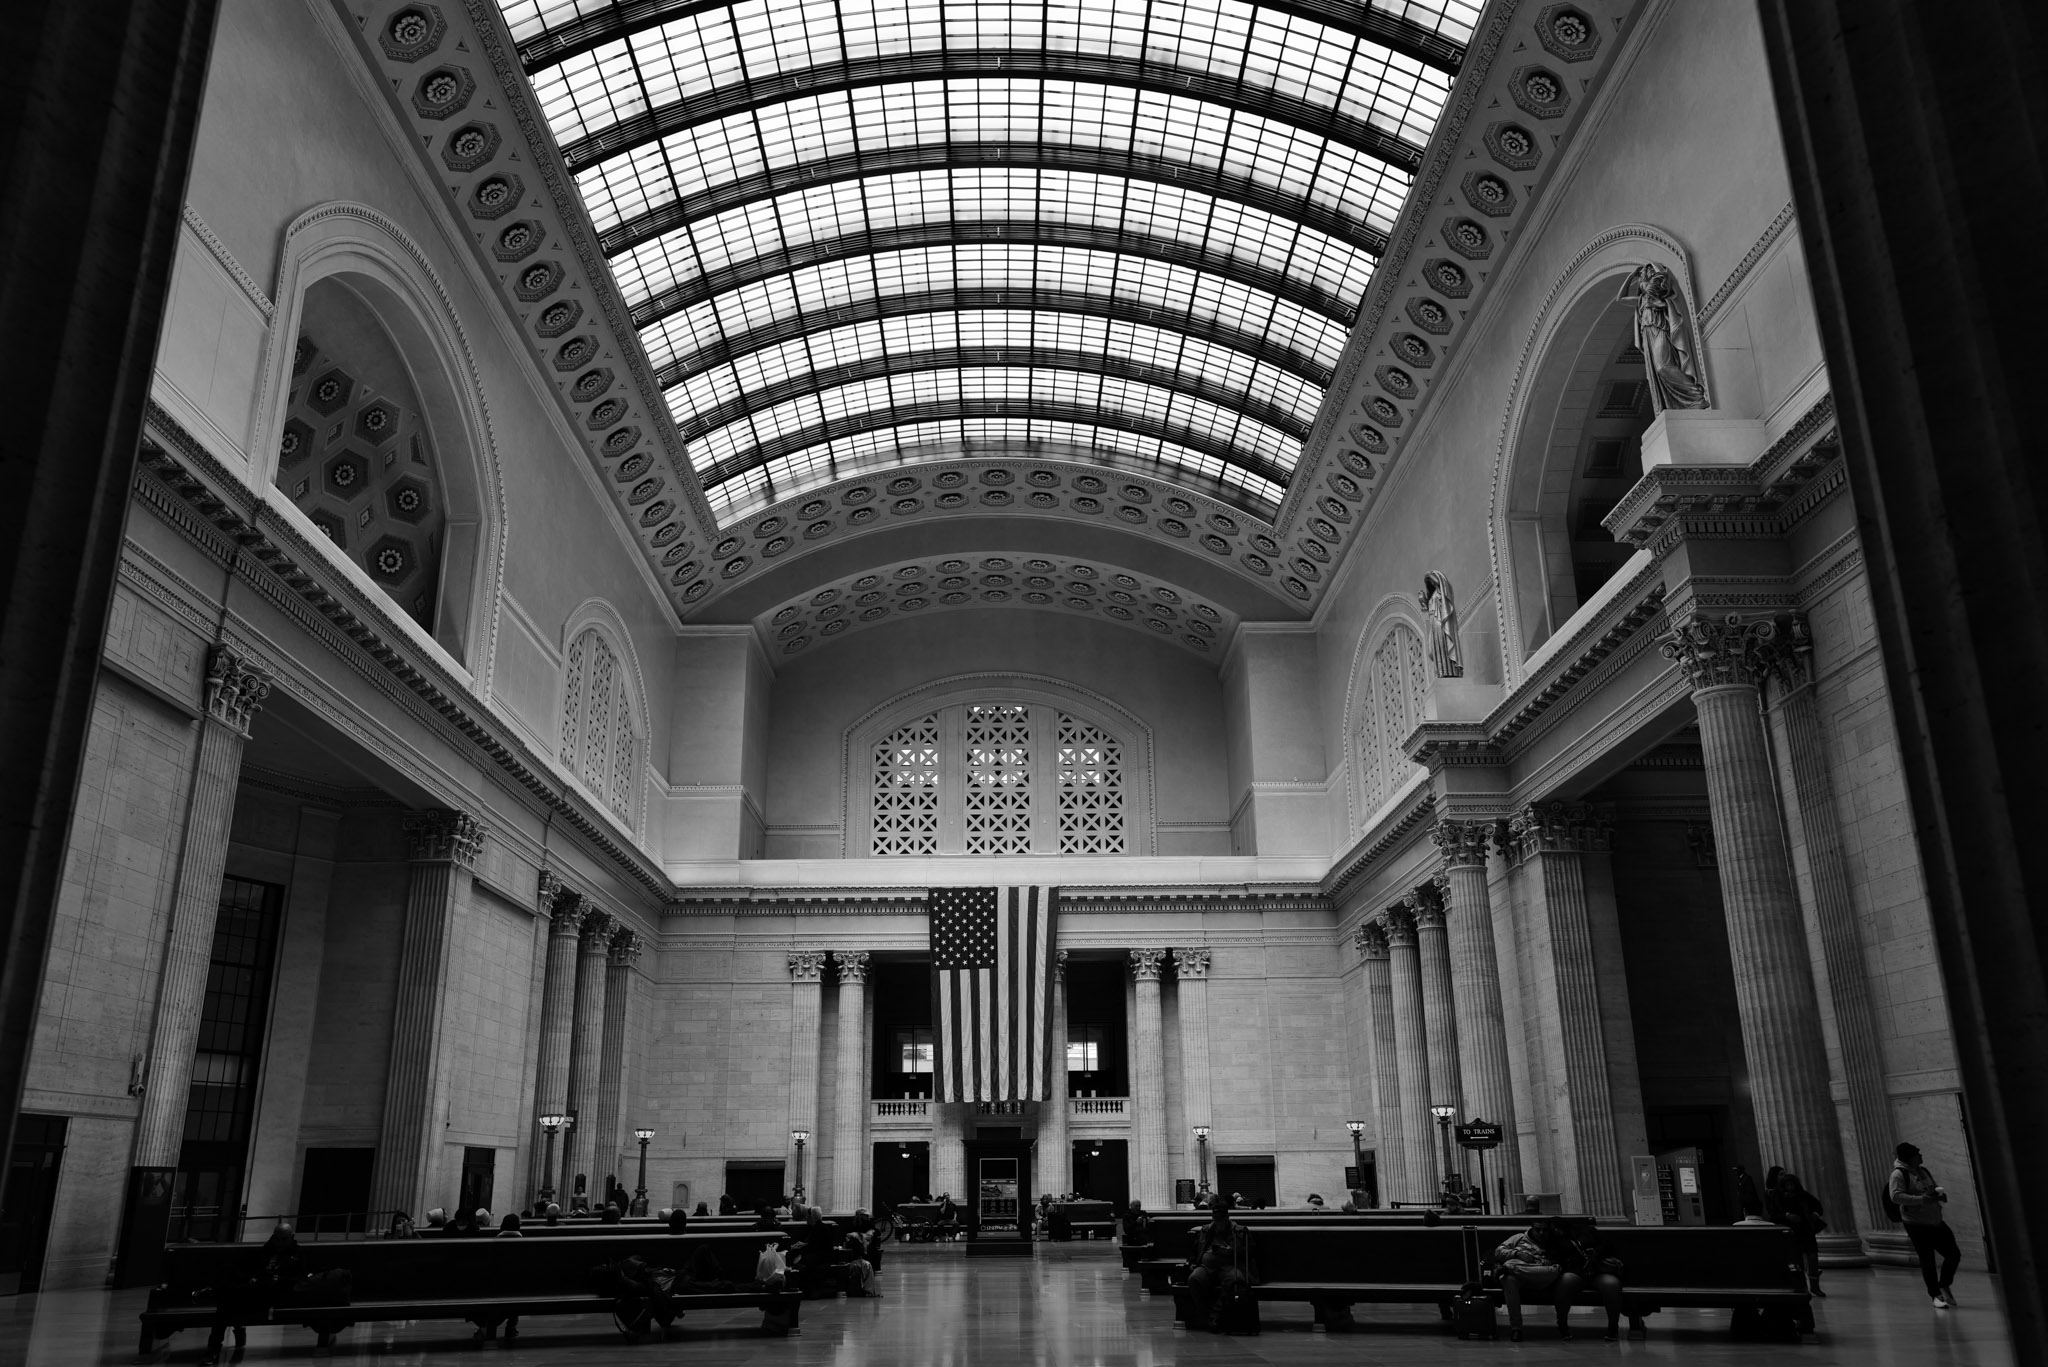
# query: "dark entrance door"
[1249,1178]
[30,1194]
[754,1183]
[903,1172]
[1102,1171]
[998,1191]
[479,1176]
[334,1192]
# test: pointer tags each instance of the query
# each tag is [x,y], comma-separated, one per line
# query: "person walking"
[1919,1200]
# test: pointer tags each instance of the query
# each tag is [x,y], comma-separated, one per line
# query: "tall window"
[999,778]
[914,1050]
[1084,1048]
[599,742]
[1390,709]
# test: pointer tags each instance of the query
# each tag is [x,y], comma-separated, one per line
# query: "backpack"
[1891,1207]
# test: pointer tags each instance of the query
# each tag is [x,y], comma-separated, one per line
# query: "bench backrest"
[446,1269]
[1400,1256]
[1169,1232]
[1089,1212]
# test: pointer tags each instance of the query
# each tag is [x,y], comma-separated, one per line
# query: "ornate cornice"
[443,837]
[852,965]
[1389,836]
[1749,261]
[1191,963]
[807,965]
[1148,965]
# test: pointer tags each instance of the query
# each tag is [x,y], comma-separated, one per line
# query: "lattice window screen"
[1091,780]
[907,789]
[1396,681]
[998,779]
[599,742]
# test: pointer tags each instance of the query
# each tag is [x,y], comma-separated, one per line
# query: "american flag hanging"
[991,992]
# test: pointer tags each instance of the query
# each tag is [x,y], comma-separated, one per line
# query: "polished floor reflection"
[1069,1307]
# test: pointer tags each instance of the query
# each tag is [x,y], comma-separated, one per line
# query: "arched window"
[1389,711]
[999,778]
[600,743]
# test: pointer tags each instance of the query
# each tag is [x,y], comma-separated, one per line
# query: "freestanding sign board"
[1479,1134]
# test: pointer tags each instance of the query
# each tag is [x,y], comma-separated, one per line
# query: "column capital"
[1191,963]
[1559,828]
[1717,651]
[1148,965]
[852,963]
[1462,843]
[1400,925]
[1699,835]
[595,927]
[235,688]
[807,965]
[1426,905]
[1371,940]
[623,948]
[1059,962]
[567,922]
[549,887]
[442,837]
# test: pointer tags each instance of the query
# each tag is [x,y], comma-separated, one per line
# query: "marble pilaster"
[1725,661]
[1191,986]
[1055,1150]
[1483,1065]
[1392,1153]
[586,1055]
[1148,1068]
[235,689]
[849,1116]
[442,848]
[563,910]
[1411,1045]
[807,994]
[620,952]
[1439,1015]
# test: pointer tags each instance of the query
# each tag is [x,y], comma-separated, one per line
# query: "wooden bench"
[1087,1219]
[1170,1234]
[482,1281]
[1752,1270]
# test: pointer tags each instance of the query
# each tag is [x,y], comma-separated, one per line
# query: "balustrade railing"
[1097,1107]
[901,1110]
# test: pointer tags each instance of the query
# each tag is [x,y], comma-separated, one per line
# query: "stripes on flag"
[991,992]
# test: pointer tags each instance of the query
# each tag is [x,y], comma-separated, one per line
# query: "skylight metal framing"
[791,194]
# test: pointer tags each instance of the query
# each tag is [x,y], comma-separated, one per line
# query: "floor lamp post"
[801,1137]
[1202,1146]
[640,1193]
[1357,1128]
[550,1125]
[1443,1116]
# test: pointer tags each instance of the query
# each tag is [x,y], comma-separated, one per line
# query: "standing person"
[1790,1204]
[1919,1200]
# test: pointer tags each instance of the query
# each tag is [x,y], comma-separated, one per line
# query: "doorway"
[1249,1178]
[754,1183]
[334,1191]
[1102,1171]
[29,1197]
[903,1172]
[479,1177]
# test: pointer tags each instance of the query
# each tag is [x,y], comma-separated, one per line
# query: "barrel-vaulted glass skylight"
[861,234]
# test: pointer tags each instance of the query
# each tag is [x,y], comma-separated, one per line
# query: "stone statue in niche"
[1442,611]
[1663,338]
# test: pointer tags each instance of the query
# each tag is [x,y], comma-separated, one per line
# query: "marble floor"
[1065,1308]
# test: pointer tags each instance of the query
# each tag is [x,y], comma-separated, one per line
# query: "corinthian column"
[1411,1043]
[557,1003]
[586,1050]
[1148,1065]
[1439,1016]
[1549,839]
[807,992]
[1055,1153]
[1392,1155]
[443,847]
[1191,978]
[849,1122]
[235,690]
[1475,990]
[621,951]
[1725,660]
[1831,918]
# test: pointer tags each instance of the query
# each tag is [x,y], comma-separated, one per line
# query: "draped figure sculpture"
[1442,610]
[1663,338]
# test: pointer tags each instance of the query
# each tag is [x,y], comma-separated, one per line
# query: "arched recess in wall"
[342,264]
[998,764]
[602,722]
[1382,706]
[1571,439]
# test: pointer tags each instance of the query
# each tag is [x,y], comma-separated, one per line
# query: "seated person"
[1137,1224]
[727,1206]
[1547,1258]
[1315,1204]
[1221,1253]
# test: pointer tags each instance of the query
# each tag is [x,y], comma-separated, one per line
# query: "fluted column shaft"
[949,1154]
[1392,1154]
[849,1121]
[1832,915]
[235,690]
[1724,660]
[1191,983]
[1439,1016]
[807,995]
[1411,1045]
[586,1054]
[557,1017]
[1550,838]
[443,847]
[1475,992]
[1055,1151]
[1148,1064]
[605,1154]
